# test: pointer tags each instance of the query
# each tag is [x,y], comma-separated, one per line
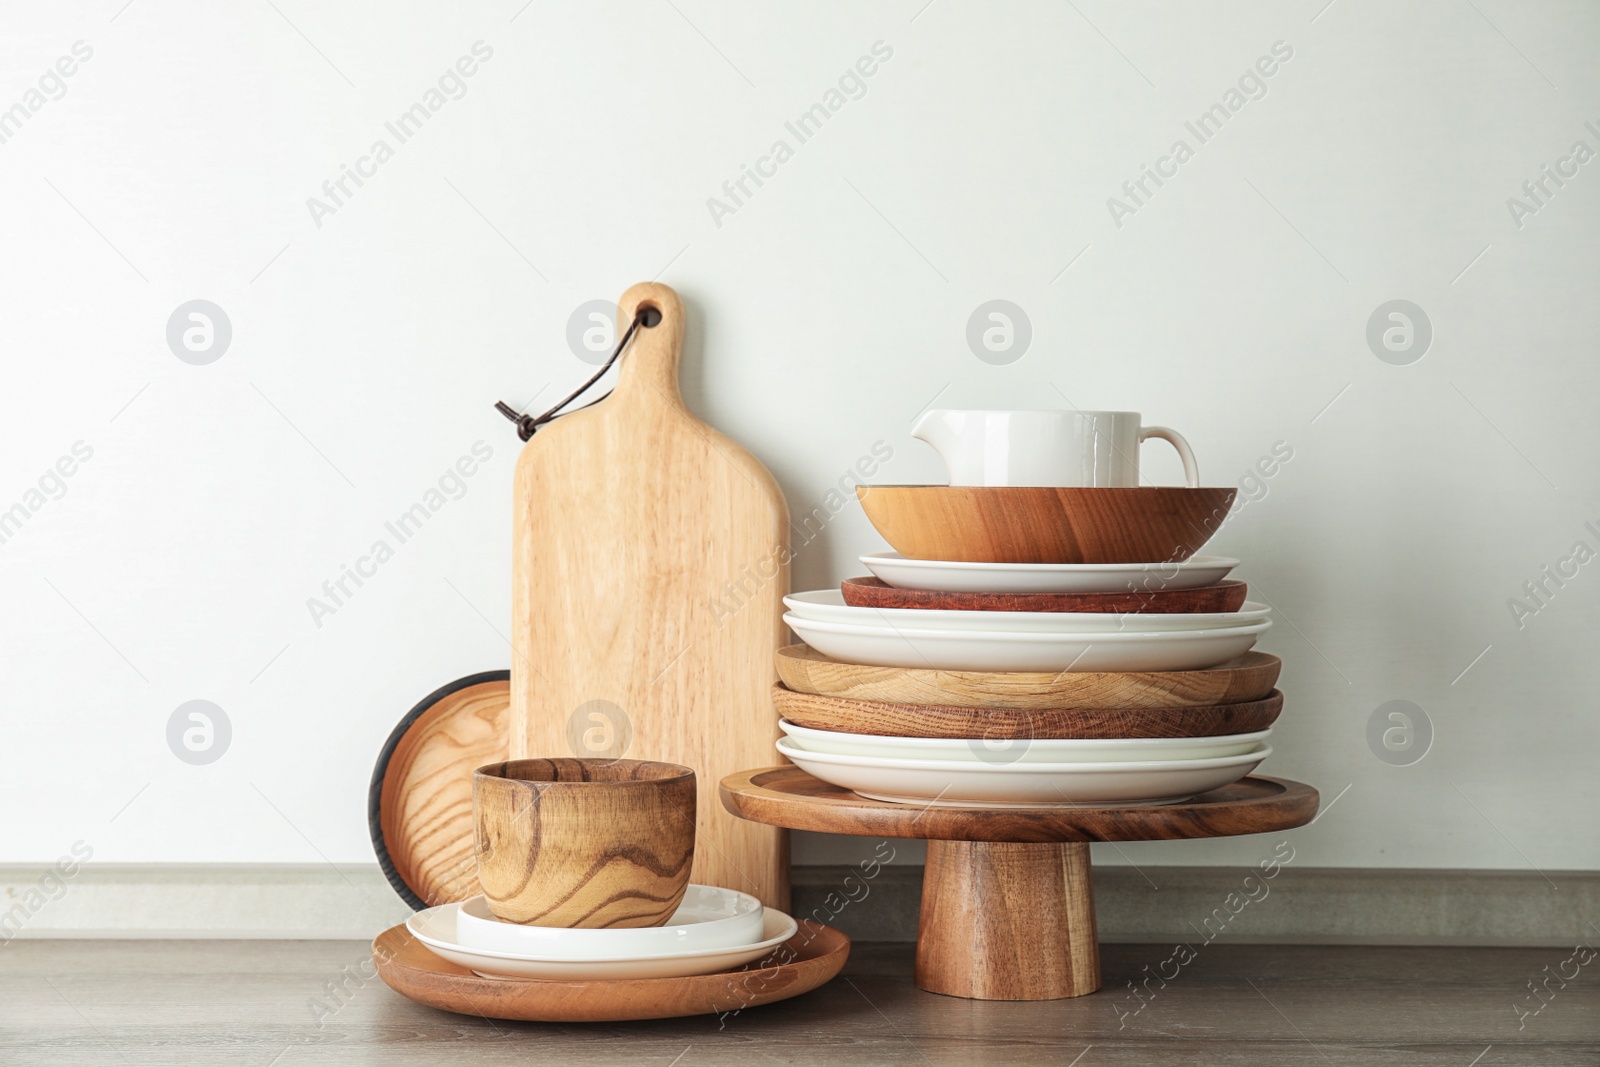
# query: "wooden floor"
[272,1004]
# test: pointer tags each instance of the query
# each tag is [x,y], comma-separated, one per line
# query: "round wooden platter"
[1250,677]
[815,954]
[419,805]
[997,724]
[788,796]
[1227,595]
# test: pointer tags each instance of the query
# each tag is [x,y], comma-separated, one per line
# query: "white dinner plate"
[945,576]
[963,650]
[998,753]
[709,917]
[827,605]
[955,784]
[436,928]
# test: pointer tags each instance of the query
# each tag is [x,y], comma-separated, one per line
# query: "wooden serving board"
[805,961]
[419,806]
[1250,677]
[921,720]
[649,564]
[876,593]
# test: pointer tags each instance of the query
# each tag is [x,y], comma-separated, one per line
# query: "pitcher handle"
[1191,469]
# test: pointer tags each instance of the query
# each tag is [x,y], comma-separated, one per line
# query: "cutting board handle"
[649,369]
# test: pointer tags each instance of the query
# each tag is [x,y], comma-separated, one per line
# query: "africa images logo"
[852,85]
[1251,85]
[451,85]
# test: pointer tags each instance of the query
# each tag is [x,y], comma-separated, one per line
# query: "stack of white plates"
[1036,772]
[975,773]
[713,930]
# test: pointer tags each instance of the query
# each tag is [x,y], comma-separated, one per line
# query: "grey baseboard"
[182,900]
[1302,905]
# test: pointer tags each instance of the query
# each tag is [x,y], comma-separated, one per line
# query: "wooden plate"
[788,796]
[811,957]
[921,720]
[1250,677]
[876,593]
[419,806]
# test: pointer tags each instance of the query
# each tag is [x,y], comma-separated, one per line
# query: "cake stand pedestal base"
[1007,921]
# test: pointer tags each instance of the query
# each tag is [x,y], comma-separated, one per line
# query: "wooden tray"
[1250,677]
[811,957]
[649,565]
[1228,595]
[419,805]
[914,720]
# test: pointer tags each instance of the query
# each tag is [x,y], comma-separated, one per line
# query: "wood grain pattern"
[1029,524]
[788,796]
[869,592]
[913,720]
[425,791]
[584,843]
[649,564]
[1250,677]
[808,959]
[1007,921]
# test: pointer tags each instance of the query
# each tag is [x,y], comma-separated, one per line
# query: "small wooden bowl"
[876,593]
[1032,524]
[584,843]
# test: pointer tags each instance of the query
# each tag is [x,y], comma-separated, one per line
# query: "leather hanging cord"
[528,425]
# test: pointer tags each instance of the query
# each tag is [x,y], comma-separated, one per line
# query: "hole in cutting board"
[649,315]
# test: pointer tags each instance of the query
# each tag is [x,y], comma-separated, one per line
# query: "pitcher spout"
[940,428]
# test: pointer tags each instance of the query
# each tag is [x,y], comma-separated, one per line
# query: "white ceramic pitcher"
[1065,448]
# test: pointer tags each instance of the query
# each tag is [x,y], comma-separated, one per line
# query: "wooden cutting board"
[650,560]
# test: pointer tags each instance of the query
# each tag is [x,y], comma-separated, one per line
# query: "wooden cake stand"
[1007,904]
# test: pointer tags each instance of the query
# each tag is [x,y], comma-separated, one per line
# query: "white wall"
[828,310]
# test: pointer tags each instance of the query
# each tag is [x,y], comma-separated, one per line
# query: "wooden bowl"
[1034,524]
[584,843]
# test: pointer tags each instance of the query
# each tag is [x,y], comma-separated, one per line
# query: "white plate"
[436,928]
[827,605]
[961,650]
[943,576]
[949,783]
[1023,750]
[708,918]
